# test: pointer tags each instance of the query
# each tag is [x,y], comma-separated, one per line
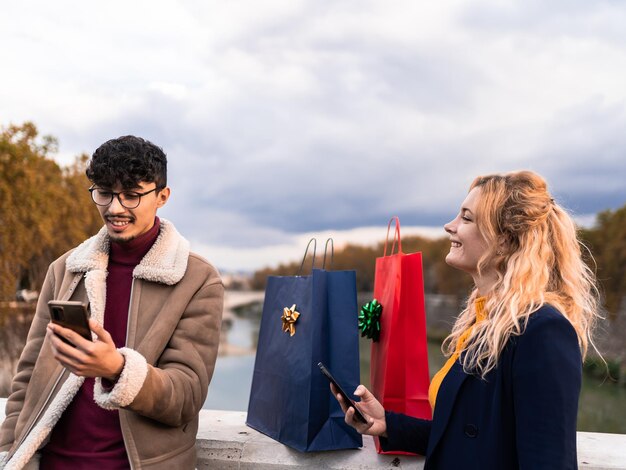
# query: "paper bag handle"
[396,235]
[314,241]
[332,253]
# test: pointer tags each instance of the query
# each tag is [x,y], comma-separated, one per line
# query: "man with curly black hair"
[130,398]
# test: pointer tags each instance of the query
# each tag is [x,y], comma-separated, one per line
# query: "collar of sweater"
[165,262]
[129,253]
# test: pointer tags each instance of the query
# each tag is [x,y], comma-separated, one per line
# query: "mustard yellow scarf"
[479,305]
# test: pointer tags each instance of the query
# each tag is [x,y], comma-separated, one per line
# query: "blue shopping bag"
[290,399]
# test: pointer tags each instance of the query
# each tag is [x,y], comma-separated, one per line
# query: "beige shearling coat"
[172,340]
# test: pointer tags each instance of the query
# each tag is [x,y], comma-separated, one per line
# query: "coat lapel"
[445,403]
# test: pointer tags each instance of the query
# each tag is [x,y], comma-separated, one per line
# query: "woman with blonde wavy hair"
[507,397]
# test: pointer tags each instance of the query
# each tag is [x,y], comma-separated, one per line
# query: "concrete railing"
[225,442]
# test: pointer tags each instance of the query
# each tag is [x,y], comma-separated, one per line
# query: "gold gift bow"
[289,319]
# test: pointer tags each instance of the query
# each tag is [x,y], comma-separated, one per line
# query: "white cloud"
[287,117]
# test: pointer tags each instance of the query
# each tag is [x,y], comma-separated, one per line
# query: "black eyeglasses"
[128,199]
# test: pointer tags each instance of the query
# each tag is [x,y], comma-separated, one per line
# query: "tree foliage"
[607,242]
[44,208]
[439,278]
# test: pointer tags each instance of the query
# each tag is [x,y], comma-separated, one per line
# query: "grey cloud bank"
[297,117]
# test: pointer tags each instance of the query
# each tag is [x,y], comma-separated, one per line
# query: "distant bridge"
[237,298]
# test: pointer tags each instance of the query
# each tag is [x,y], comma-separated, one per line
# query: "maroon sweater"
[87,436]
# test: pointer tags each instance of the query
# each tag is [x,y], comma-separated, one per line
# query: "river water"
[602,404]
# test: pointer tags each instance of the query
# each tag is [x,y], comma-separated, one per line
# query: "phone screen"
[72,315]
[358,415]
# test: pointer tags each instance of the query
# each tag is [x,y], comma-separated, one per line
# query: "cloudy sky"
[287,118]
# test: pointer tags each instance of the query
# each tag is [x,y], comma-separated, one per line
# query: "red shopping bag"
[399,360]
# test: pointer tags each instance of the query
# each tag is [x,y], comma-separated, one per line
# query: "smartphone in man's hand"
[357,414]
[70,314]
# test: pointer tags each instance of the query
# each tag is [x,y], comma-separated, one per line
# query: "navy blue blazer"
[521,416]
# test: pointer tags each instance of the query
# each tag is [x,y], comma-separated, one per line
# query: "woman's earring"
[499,253]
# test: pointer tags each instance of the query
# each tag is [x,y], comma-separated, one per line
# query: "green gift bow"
[369,320]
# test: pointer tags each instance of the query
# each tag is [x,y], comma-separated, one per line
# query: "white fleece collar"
[166,262]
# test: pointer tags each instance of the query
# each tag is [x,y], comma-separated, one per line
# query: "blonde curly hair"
[534,248]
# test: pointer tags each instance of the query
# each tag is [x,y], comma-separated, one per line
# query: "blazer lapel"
[445,403]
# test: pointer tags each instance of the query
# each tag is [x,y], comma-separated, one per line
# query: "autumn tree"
[44,208]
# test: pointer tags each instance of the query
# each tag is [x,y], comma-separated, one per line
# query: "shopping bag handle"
[314,241]
[332,253]
[396,235]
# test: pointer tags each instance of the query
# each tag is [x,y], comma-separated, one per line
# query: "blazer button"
[470,430]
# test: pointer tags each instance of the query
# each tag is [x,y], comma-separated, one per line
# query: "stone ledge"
[225,442]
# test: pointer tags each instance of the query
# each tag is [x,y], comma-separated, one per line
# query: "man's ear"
[163,196]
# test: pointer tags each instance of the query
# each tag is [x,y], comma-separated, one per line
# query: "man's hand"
[369,407]
[99,358]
